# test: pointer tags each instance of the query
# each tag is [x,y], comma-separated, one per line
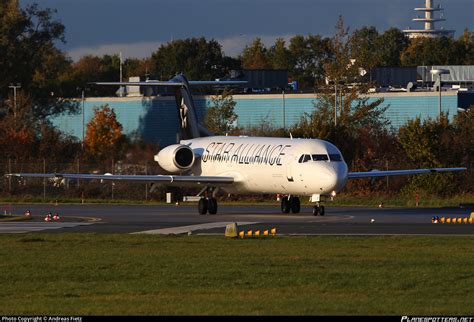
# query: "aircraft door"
[289,167]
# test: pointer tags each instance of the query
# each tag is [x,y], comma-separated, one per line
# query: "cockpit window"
[335,157]
[304,158]
[320,157]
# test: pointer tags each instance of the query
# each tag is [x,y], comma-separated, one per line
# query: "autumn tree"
[466,40]
[433,51]
[220,117]
[419,142]
[255,56]
[104,138]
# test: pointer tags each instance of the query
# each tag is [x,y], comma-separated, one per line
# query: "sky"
[138,27]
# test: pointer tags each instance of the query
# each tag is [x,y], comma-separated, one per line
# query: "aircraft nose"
[335,178]
[330,178]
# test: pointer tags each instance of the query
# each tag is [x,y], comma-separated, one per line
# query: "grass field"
[83,274]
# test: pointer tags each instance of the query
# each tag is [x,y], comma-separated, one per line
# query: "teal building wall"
[156,119]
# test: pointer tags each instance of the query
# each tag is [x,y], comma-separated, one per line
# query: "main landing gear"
[318,210]
[290,204]
[206,205]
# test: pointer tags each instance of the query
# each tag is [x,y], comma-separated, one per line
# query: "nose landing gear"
[318,210]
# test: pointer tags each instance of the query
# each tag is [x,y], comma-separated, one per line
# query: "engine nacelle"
[175,158]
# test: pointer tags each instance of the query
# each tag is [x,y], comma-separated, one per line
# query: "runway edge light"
[231,230]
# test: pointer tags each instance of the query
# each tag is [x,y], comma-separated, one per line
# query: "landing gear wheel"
[295,205]
[315,210]
[212,206]
[318,210]
[203,206]
[285,205]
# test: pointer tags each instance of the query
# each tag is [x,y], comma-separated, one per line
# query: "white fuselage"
[302,167]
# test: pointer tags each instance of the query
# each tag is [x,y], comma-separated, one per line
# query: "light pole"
[439,72]
[284,116]
[18,85]
[83,119]
[335,104]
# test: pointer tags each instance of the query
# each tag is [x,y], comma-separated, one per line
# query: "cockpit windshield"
[319,157]
[335,157]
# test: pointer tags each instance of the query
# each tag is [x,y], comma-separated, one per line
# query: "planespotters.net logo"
[437,319]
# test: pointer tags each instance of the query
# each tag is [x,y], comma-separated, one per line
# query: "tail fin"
[189,127]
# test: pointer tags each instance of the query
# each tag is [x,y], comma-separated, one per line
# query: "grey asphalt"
[155,218]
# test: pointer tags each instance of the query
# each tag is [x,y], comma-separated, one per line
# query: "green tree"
[466,40]
[29,56]
[255,56]
[308,55]
[364,47]
[354,109]
[220,118]
[433,51]
[279,56]
[389,47]
[195,57]
[427,144]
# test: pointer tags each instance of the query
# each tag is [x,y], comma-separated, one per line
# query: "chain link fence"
[42,189]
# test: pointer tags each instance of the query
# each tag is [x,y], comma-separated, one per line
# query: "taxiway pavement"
[171,219]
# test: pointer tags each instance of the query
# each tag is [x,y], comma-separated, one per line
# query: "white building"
[429,20]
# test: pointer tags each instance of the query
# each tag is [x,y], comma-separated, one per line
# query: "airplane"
[290,167]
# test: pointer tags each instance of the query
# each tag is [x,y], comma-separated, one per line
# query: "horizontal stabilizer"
[171,83]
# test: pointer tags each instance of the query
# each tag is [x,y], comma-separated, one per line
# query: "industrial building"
[409,92]
[155,118]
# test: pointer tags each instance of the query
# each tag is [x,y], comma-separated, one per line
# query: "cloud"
[232,46]
[136,50]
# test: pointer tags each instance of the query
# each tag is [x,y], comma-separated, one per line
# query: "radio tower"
[429,19]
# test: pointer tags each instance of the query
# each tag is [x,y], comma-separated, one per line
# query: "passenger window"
[335,157]
[320,157]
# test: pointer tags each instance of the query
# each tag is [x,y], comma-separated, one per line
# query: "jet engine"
[175,158]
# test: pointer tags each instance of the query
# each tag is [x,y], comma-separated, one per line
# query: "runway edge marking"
[191,228]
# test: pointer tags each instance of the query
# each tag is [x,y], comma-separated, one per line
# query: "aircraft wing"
[377,173]
[122,177]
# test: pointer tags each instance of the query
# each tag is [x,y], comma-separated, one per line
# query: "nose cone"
[335,177]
